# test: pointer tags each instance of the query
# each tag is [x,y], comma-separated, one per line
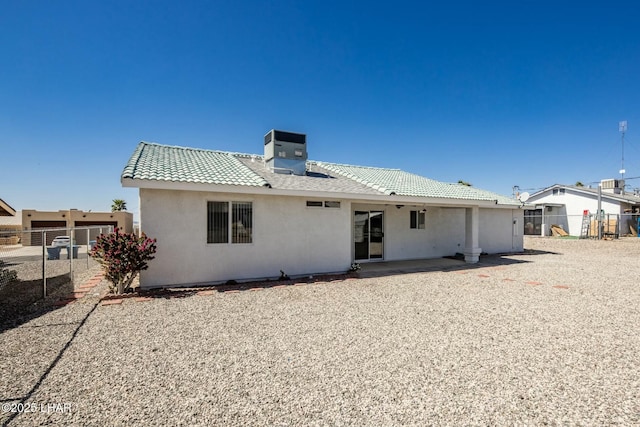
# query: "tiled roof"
[317,179]
[178,164]
[396,181]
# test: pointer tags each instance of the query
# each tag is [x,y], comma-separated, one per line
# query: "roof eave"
[5,206]
[256,190]
[586,191]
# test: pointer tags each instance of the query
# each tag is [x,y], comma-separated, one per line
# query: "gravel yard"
[550,336]
[24,296]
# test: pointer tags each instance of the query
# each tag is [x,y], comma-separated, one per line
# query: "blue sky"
[524,93]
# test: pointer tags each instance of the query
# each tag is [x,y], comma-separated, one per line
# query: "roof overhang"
[6,210]
[370,198]
[589,192]
[544,205]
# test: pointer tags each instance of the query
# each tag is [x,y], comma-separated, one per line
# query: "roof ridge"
[208,150]
[357,166]
[336,167]
[249,155]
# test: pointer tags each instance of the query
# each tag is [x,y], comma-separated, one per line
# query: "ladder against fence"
[598,226]
[586,224]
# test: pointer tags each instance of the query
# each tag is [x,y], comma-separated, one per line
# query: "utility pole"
[622,127]
[599,214]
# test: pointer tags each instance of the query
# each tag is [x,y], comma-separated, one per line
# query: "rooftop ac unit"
[286,152]
[615,186]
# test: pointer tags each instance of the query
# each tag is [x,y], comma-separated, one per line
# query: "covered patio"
[384,268]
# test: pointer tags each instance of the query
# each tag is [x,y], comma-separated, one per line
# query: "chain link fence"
[594,226]
[38,263]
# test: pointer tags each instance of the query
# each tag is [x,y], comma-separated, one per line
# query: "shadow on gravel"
[448,263]
[503,259]
[536,252]
[25,399]
[369,270]
[378,269]
[22,301]
[233,286]
[444,264]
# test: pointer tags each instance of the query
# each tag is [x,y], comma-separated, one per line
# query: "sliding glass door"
[368,235]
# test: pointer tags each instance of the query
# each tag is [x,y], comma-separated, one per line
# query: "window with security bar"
[221,225]
[241,222]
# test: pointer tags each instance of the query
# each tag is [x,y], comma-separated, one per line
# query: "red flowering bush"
[123,256]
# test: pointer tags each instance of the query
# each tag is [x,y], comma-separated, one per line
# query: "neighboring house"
[9,224]
[6,210]
[33,220]
[565,205]
[220,216]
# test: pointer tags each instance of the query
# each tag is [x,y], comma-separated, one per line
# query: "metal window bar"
[217,222]
[242,222]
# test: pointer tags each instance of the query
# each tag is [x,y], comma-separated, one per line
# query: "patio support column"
[471,249]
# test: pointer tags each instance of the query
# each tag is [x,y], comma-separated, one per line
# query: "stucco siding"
[287,235]
[290,236]
[449,225]
[501,230]
[444,232]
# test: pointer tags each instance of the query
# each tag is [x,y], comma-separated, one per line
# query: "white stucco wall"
[444,232]
[300,240]
[287,235]
[501,230]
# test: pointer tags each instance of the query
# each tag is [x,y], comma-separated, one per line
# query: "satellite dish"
[524,197]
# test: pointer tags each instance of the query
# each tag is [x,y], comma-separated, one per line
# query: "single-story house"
[565,205]
[222,216]
[34,220]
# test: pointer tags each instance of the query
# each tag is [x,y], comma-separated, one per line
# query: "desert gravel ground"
[548,337]
[25,296]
